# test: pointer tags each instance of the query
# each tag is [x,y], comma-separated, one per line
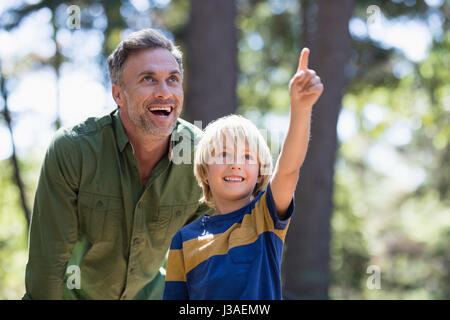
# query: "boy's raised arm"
[305,88]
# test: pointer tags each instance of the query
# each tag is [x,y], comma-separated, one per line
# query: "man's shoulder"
[90,126]
[67,140]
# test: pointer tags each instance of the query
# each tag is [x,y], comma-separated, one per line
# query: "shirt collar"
[119,130]
[122,138]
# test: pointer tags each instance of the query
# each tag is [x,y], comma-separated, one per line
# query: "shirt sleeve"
[176,287]
[54,222]
[279,224]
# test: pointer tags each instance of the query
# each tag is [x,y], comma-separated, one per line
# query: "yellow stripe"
[264,222]
[257,222]
[175,266]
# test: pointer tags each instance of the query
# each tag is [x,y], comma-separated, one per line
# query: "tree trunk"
[17,177]
[211,60]
[56,62]
[306,267]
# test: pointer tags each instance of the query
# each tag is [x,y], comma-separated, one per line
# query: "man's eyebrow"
[152,73]
[146,72]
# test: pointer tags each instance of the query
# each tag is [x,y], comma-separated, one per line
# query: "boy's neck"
[224,206]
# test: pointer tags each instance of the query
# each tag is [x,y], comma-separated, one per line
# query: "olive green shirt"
[96,232]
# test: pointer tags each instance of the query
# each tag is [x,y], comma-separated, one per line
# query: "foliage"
[392,179]
[13,238]
[395,221]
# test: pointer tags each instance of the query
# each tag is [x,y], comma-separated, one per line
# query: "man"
[111,193]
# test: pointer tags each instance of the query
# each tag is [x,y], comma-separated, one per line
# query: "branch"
[14,161]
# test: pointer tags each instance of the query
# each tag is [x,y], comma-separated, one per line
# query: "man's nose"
[162,90]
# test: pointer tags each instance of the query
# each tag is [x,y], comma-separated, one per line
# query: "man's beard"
[144,122]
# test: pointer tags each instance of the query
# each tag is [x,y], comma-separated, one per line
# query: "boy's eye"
[248,157]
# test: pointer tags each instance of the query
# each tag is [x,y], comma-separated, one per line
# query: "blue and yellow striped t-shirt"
[229,256]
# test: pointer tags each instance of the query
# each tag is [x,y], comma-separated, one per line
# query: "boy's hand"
[305,86]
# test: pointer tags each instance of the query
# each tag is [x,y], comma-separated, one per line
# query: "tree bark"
[306,272]
[211,60]
[56,62]
[17,177]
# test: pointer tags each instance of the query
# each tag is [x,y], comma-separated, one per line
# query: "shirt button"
[136,241]
[178,213]
[99,204]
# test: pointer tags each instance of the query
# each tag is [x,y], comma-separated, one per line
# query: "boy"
[236,253]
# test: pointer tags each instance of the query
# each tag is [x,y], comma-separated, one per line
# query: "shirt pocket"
[244,245]
[163,226]
[100,216]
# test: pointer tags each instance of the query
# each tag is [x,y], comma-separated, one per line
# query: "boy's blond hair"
[239,131]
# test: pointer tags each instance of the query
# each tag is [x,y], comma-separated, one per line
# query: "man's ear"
[118,95]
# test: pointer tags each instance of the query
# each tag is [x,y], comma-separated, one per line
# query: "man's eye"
[248,157]
[173,79]
[147,79]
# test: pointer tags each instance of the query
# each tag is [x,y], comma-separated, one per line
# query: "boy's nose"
[236,165]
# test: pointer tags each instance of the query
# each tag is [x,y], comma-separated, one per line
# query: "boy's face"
[232,174]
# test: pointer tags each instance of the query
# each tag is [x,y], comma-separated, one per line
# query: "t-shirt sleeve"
[265,216]
[279,223]
[175,287]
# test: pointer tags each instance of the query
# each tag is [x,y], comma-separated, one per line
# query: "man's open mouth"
[161,111]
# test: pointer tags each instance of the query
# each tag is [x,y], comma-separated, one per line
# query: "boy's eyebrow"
[247,150]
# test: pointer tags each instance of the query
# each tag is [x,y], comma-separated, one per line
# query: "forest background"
[372,214]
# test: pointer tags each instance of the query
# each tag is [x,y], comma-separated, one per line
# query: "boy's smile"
[234,179]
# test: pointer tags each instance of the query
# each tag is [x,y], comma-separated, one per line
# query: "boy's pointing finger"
[304,59]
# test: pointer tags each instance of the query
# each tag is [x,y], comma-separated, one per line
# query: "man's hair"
[143,39]
[236,131]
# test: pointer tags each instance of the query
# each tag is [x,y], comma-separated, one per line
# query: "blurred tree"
[211,58]
[308,242]
[17,175]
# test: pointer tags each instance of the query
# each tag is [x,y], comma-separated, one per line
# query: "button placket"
[135,245]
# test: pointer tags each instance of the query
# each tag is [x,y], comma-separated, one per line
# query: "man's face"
[152,90]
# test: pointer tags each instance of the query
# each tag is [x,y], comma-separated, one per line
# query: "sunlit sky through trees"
[81,92]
